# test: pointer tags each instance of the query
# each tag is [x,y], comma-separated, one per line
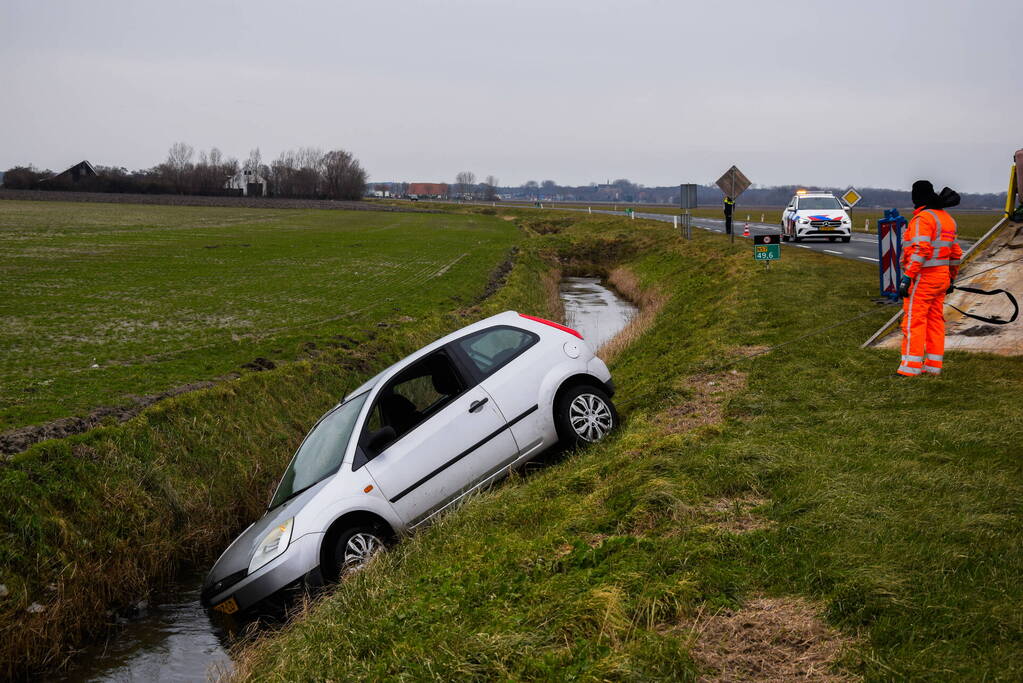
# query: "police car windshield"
[817,203]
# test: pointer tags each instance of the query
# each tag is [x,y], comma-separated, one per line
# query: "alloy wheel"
[359,550]
[590,417]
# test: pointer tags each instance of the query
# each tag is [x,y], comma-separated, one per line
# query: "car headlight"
[845,221]
[804,220]
[273,545]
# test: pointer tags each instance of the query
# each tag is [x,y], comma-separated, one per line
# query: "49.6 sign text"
[767,247]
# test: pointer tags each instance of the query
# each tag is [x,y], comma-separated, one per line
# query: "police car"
[815,214]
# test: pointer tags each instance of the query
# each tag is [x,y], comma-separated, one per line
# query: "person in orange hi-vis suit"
[930,263]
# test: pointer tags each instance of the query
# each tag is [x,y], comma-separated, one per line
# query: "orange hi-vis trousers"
[923,322]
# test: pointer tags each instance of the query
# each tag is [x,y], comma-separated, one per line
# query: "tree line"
[305,173]
[625,191]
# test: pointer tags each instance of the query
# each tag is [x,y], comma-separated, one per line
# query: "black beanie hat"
[923,195]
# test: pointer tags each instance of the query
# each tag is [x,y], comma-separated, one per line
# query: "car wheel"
[797,238]
[846,239]
[584,415]
[354,549]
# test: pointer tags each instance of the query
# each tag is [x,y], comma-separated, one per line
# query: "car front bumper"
[299,561]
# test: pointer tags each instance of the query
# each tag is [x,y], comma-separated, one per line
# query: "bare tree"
[178,165]
[343,177]
[254,162]
[465,182]
[490,188]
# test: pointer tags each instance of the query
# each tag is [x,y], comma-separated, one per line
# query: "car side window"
[415,394]
[491,349]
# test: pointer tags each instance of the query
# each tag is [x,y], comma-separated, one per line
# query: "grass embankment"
[809,481]
[158,296]
[96,521]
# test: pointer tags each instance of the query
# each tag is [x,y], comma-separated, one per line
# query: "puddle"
[598,312]
[171,640]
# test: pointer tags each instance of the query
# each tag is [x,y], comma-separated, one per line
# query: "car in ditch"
[411,442]
[815,214]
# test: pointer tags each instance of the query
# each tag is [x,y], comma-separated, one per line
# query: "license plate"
[826,227]
[229,606]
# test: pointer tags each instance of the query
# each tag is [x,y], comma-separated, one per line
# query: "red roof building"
[428,189]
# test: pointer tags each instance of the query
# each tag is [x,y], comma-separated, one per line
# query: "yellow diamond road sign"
[851,197]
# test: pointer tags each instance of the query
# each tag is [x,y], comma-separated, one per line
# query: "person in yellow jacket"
[930,264]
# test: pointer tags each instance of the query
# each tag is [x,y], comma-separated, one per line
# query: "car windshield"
[321,453]
[818,203]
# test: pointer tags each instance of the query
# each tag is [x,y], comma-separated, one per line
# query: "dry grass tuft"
[650,302]
[705,405]
[551,282]
[735,513]
[769,639]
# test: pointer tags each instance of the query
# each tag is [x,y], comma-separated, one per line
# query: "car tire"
[353,550]
[846,239]
[584,415]
[797,238]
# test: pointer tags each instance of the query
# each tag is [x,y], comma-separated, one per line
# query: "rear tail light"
[551,323]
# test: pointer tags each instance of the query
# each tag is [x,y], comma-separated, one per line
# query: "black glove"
[951,287]
[904,284]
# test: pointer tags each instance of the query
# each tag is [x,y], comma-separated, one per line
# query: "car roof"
[505,318]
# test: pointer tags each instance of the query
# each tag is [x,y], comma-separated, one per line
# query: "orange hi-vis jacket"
[930,257]
[930,241]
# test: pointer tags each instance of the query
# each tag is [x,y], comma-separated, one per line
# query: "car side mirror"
[379,440]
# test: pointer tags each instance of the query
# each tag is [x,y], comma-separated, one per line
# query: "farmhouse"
[83,169]
[248,182]
[432,190]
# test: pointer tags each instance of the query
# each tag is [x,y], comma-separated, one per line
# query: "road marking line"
[830,251]
[867,258]
[802,246]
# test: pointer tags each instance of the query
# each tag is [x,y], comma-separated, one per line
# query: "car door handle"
[476,405]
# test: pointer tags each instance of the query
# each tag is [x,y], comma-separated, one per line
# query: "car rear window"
[491,349]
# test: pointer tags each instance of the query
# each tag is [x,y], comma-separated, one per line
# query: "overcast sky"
[865,93]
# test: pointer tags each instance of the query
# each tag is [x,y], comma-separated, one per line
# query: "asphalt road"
[862,247]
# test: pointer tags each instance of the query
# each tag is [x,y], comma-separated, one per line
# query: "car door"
[449,435]
[511,367]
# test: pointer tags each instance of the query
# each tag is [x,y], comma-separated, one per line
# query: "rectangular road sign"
[733,183]
[767,247]
[688,195]
[851,197]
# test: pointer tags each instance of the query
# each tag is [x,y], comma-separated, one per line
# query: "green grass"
[895,504]
[162,296]
[96,521]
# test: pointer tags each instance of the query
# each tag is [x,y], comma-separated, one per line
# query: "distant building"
[431,190]
[250,183]
[83,169]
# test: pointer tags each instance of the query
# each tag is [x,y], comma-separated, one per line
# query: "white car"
[816,214]
[411,442]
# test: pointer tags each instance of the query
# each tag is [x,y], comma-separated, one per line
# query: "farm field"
[104,303]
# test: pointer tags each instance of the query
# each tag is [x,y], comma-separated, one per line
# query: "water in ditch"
[170,639]
[173,638]
[596,311]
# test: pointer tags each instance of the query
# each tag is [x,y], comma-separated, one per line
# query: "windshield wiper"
[293,494]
